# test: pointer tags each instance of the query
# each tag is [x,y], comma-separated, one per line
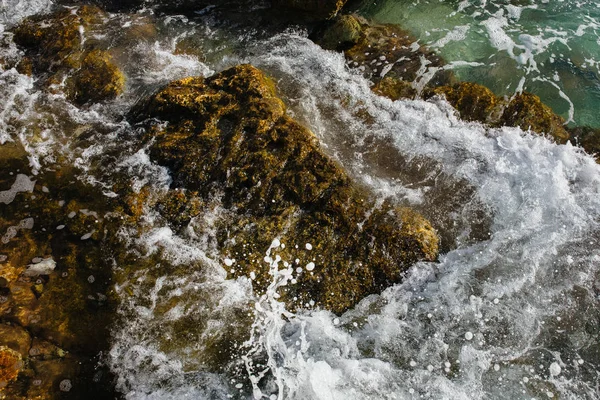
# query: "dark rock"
[229,136]
[56,49]
[473,102]
[317,9]
[588,138]
[343,33]
[386,54]
[527,111]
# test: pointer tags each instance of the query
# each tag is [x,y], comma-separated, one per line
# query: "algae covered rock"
[10,365]
[476,102]
[58,50]
[473,102]
[228,137]
[527,111]
[98,79]
[395,89]
[385,54]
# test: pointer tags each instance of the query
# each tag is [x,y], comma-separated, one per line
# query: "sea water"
[511,310]
[549,47]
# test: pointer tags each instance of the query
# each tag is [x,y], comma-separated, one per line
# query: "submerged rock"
[51,312]
[386,54]
[58,50]
[228,137]
[588,138]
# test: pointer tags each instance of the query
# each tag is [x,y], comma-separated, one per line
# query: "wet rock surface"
[60,48]
[475,102]
[55,310]
[228,138]
[401,69]
[385,54]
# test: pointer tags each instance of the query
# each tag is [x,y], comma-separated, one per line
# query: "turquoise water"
[548,47]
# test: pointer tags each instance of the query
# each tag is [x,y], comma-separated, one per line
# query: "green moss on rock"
[229,136]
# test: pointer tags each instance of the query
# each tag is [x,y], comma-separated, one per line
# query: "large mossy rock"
[473,102]
[57,49]
[228,137]
[386,55]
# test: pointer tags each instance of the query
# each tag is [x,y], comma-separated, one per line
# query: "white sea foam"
[12,11]
[22,184]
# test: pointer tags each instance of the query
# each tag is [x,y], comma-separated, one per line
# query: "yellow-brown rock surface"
[56,48]
[229,136]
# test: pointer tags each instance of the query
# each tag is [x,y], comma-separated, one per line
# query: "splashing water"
[546,47]
[510,310]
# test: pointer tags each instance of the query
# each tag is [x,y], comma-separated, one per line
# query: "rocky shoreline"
[227,137]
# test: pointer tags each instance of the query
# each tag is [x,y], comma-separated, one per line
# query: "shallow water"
[510,311]
[549,47]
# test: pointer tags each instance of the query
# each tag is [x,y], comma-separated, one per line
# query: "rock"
[390,58]
[15,337]
[341,34]
[476,102]
[56,47]
[228,136]
[395,89]
[47,298]
[588,138]
[384,52]
[317,9]
[98,79]
[527,111]
[10,365]
[473,102]
[55,40]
